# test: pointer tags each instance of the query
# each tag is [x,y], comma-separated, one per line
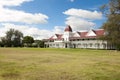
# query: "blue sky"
[43,18]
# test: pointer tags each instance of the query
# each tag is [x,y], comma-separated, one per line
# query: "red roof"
[68,29]
[83,35]
[99,32]
[59,37]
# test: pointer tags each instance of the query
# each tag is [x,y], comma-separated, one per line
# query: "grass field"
[59,64]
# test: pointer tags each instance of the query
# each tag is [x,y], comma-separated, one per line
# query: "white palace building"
[87,39]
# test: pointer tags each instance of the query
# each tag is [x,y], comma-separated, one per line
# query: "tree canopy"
[112,25]
[27,41]
[39,43]
[13,38]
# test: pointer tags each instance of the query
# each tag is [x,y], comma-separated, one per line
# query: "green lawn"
[59,64]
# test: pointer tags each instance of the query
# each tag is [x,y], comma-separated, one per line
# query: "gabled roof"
[94,33]
[100,32]
[91,33]
[68,29]
[83,34]
[58,37]
[76,34]
[80,35]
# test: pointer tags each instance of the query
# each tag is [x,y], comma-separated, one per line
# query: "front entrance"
[74,45]
[65,45]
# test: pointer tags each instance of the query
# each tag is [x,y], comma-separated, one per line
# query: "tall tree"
[27,41]
[39,43]
[112,25]
[13,38]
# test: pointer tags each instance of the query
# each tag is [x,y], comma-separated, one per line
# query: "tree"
[27,41]
[112,25]
[13,38]
[39,43]
[3,42]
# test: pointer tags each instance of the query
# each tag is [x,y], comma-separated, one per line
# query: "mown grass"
[59,64]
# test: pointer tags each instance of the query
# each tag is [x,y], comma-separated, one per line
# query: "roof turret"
[68,29]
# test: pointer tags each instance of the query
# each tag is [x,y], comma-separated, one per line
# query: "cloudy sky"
[42,18]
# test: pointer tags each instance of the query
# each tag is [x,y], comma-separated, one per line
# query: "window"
[82,39]
[104,45]
[97,45]
[91,44]
[57,45]
[50,44]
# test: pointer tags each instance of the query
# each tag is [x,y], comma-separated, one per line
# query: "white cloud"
[81,19]
[58,29]
[26,30]
[83,13]
[79,24]
[8,18]
[11,15]
[12,2]
[36,33]
[8,15]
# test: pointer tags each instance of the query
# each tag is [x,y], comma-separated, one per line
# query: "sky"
[43,18]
